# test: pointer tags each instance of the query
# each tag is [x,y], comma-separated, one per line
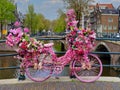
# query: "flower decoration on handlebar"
[82,41]
[28,49]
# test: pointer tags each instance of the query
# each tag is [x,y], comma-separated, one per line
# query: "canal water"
[13,73]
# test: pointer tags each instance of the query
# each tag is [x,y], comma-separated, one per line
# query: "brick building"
[119,18]
[104,18]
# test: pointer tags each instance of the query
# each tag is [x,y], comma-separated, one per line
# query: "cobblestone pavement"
[61,84]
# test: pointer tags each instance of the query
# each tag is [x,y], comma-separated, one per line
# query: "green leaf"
[27,38]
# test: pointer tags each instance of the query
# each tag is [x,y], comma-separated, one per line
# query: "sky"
[49,8]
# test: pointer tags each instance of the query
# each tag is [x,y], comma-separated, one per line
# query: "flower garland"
[82,41]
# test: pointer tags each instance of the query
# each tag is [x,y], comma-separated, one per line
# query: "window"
[102,7]
[109,27]
[110,20]
[104,27]
[114,27]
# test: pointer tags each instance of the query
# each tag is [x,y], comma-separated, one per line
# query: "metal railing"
[17,67]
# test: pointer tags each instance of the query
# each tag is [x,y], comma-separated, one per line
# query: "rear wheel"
[39,75]
[85,74]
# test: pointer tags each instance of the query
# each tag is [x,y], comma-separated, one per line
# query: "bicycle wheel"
[88,75]
[39,75]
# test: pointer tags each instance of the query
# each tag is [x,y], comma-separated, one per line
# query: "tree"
[30,19]
[35,22]
[80,7]
[42,23]
[6,12]
[59,25]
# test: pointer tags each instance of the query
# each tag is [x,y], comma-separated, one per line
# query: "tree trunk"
[1,28]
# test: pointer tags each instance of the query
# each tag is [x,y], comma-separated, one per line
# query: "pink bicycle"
[86,67]
[40,62]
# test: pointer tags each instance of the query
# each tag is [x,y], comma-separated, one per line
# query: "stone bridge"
[109,46]
[105,46]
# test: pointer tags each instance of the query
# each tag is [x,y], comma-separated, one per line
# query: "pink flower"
[13,31]
[16,31]
[93,35]
[17,23]
[26,30]
[70,12]
[23,45]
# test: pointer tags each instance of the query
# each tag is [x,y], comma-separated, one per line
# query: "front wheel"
[39,75]
[91,74]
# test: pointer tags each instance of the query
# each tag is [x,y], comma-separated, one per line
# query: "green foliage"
[60,24]
[35,22]
[30,19]
[57,46]
[6,11]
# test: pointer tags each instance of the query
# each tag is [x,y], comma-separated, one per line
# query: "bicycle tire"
[86,75]
[39,75]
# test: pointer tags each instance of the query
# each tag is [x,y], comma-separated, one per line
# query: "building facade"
[104,18]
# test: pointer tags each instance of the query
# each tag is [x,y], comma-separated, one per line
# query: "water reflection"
[12,73]
[7,61]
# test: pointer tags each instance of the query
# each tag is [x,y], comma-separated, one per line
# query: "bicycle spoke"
[88,74]
[46,70]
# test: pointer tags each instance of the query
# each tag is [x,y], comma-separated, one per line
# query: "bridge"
[109,46]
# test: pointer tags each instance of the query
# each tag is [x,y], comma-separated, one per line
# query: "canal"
[13,73]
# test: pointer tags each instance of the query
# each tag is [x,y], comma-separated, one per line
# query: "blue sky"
[49,7]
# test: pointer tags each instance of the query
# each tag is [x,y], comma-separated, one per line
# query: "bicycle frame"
[62,61]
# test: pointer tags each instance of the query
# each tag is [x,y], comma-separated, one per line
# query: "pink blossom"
[16,31]
[26,30]
[13,31]
[17,23]
[70,12]
[93,35]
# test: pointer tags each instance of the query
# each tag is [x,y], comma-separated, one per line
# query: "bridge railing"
[98,35]
[17,67]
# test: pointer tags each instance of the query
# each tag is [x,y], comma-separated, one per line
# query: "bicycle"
[40,62]
[86,70]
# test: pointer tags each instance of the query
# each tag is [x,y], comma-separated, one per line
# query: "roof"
[109,6]
[109,11]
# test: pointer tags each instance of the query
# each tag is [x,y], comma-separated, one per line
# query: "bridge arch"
[103,47]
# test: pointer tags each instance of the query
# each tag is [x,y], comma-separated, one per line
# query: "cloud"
[116,0]
[21,1]
[107,1]
[52,2]
[48,4]
[55,1]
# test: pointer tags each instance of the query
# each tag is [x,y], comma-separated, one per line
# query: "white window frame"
[109,27]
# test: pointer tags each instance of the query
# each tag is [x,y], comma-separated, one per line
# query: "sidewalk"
[64,83]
